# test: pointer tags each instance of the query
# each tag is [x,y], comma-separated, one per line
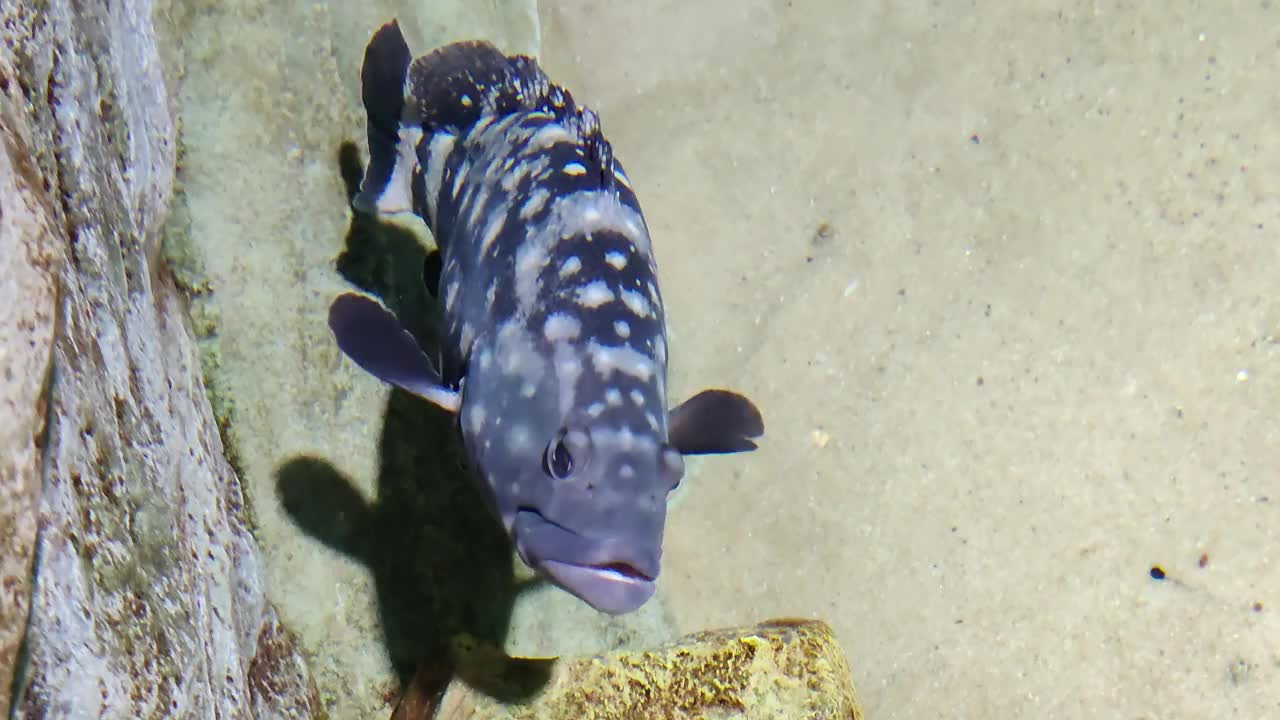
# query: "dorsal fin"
[382,86]
[598,153]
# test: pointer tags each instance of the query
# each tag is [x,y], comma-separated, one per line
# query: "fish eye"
[568,453]
[558,461]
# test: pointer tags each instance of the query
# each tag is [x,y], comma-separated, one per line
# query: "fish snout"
[614,575]
[611,589]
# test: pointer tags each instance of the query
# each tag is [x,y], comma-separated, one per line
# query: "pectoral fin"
[372,336]
[715,421]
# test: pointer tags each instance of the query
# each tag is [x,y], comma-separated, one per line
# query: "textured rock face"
[147,597]
[781,669]
[30,255]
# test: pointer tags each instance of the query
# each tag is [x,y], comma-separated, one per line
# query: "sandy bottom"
[1004,283]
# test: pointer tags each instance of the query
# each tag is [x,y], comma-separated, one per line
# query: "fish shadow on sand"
[441,563]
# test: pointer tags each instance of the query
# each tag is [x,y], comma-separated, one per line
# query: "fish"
[552,351]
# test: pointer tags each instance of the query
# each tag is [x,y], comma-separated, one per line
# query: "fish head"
[597,531]
[582,493]
[596,528]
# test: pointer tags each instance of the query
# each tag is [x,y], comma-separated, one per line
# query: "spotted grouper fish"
[553,347]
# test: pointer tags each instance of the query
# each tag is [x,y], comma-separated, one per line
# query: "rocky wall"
[130,574]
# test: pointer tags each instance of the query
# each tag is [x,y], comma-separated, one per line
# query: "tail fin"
[385,187]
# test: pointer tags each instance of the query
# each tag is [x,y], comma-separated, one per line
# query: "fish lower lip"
[614,588]
[623,569]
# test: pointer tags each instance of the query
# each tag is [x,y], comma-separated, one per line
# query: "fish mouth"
[615,588]
[610,575]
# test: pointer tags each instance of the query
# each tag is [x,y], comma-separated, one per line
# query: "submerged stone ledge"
[792,669]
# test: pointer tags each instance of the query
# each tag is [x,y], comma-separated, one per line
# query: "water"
[1001,279]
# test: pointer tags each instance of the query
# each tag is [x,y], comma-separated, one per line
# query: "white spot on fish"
[616,259]
[626,360]
[575,169]
[570,266]
[463,169]
[561,327]
[465,100]
[531,258]
[625,439]
[536,167]
[537,199]
[653,421]
[637,397]
[626,472]
[451,295]
[660,348]
[613,397]
[475,415]
[475,200]
[438,151]
[518,355]
[482,124]
[568,366]
[511,179]
[594,294]
[589,211]
[519,439]
[594,409]
[622,329]
[637,303]
[497,219]
[548,135]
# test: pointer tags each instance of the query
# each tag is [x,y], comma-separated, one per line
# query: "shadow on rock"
[440,561]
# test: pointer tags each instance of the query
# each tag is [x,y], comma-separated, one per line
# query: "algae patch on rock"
[790,669]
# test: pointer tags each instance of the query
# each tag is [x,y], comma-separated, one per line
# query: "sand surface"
[1004,280]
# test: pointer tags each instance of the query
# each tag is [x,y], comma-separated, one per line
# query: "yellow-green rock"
[790,669]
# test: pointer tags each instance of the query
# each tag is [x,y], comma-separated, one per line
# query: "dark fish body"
[554,350]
